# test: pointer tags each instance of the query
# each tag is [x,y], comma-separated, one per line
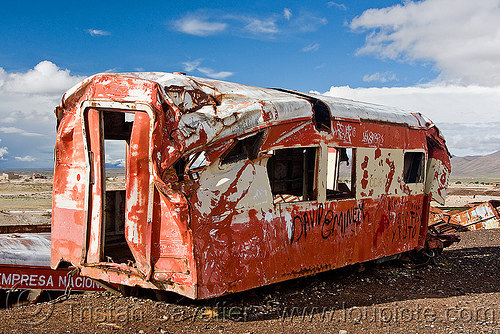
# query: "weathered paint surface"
[481,216]
[25,264]
[206,215]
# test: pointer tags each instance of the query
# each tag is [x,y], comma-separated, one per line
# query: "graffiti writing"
[343,220]
[329,221]
[406,226]
[372,138]
[344,132]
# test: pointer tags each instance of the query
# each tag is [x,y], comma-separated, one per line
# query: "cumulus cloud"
[27,102]
[460,37]
[468,116]
[45,78]
[380,77]
[311,48]
[190,66]
[97,32]
[199,26]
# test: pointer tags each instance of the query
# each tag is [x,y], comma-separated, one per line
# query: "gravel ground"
[459,293]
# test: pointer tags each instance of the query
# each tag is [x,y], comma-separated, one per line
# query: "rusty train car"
[230,187]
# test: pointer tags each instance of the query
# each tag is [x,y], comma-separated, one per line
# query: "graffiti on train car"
[325,219]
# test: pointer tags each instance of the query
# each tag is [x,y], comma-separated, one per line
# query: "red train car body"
[230,187]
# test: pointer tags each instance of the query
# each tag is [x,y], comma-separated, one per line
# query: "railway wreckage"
[474,216]
[230,187]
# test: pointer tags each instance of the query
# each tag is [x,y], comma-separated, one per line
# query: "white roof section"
[214,109]
[230,93]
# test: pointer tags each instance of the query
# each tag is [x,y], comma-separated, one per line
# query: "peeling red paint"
[199,210]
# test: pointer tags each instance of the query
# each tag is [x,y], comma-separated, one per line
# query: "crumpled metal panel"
[214,229]
[438,165]
[481,216]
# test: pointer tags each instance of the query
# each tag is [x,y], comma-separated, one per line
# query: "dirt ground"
[458,293]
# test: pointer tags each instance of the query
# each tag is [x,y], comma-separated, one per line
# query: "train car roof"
[230,92]
[220,109]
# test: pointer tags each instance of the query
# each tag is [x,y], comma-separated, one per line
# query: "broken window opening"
[340,179]
[292,174]
[246,148]
[321,112]
[414,167]
[197,162]
[180,168]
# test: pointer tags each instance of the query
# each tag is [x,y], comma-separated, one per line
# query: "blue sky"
[439,57]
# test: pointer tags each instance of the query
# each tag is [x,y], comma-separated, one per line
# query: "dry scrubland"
[458,293]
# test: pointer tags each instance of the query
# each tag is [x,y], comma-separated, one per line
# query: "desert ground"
[458,292]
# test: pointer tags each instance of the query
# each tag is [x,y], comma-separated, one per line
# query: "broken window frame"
[196,163]
[308,180]
[336,190]
[243,148]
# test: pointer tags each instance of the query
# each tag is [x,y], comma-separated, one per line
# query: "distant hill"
[487,166]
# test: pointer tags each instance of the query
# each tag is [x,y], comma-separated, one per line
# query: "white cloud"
[308,22]
[258,26]
[468,116]
[460,37]
[337,5]
[3,151]
[45,78]
[27,102]
[381,77]
[311,48]
[216,75]
[97,32]
[12,129]
[190,66]
[199,26]
[27,158]
[471,139]
[246,25]
[287,13]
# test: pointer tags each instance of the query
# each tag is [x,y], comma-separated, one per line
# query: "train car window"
[197,162]
[243,149]
[292,174]
[340,173]
[414,167]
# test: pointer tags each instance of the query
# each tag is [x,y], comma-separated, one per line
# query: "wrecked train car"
[230,187]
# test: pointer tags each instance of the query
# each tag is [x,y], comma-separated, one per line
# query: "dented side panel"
[439,165]
[69,212]
[211,227]
[242,249]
